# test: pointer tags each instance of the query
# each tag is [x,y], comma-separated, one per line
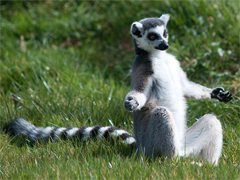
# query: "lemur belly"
[167,91]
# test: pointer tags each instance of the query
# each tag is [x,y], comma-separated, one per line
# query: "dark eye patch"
[153,36]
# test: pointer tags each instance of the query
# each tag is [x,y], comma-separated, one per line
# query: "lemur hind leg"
[160,135]
[204,139]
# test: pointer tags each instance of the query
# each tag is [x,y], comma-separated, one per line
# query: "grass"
[68,64]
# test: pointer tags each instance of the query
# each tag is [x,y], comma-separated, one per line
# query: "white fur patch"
[141,98]
[165,18]
[101,131]
[117,133]
[72,131]
[86,133]
[138,24]
[45,131]
[197,163]
[48,130]
[159,30]
[59,131]
[129,140]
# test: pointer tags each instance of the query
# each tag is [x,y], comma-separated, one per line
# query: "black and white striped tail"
[22,126]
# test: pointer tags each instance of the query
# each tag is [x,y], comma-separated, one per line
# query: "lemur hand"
[131,103]
[221,95]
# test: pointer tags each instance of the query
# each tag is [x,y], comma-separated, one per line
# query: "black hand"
[221,95]
[131,103]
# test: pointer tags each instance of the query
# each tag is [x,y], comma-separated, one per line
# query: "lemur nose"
[163,46]
[166,46]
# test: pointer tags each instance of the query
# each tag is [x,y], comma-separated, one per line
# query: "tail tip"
[9,127]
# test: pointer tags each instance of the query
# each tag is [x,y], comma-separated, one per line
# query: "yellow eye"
[153,36]
[165,34]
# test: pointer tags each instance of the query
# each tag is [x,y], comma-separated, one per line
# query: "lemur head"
[150,34]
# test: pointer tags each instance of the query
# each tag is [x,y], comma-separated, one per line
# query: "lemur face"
[150,34]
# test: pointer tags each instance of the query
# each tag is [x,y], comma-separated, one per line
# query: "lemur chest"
[166,85]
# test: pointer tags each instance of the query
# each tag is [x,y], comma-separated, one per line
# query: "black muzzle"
[163,45]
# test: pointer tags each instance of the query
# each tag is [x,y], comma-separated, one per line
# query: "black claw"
[226,93]
[221,95]
[229,95]
[221,89]
[130,98]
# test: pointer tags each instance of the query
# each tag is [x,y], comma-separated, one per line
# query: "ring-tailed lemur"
[157,99]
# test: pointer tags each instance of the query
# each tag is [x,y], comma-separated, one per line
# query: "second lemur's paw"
[221,95]
[131,103]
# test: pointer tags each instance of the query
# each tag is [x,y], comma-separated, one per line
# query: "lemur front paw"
[131,103]
[221,95]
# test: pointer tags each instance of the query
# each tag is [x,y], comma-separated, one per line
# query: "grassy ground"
[68,64]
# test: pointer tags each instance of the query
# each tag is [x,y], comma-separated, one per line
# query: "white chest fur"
[166,87]
[166,82]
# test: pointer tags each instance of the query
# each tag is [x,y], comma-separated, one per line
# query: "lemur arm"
[141,84]
[197,91]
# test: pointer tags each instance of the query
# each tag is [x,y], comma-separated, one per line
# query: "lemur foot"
[221,95]
[131,103]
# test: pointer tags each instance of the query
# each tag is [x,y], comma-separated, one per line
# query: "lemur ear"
[165,18]
[137,29]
